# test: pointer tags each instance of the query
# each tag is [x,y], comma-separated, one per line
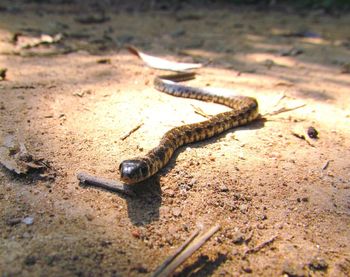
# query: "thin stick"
[187,252]
[199,111]
[131,131]
[284,109]
[260,246]
[279,99]
[325,166]
[303,137]
[108,184]
[174,255]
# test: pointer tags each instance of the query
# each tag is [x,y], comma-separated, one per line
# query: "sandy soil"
[70,102]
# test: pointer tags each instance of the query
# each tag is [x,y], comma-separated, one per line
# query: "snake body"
[244,110]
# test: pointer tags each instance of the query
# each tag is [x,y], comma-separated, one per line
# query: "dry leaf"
[163,64]
[15,156]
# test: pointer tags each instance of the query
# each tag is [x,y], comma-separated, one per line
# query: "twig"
[185,253]
[325,166]
[131,131]
[199,111]
[108,184]
[284,109]
[260,246]
[279,99]
[303,137]
[174,255]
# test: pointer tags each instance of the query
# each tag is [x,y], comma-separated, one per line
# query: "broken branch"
[284,109]
[108,184]
[184,253]
[260,246]
[177,252]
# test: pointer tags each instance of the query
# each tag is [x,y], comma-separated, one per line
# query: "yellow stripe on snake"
[244,110]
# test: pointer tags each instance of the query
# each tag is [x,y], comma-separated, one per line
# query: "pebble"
[105,243]
[170,192]
[318,264]
[28,220]
[247,269]
[141,268]
[89,217]
[176,211]
[293,270]
[136,234]
[312,132]
[178,33]
[263,217]
[223,188]
[30,260]
[243,208]
[13,221]
[238,238]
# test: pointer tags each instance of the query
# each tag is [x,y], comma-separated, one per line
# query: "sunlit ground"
[259,180]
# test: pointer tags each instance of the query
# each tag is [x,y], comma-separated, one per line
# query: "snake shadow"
[143,207]
[257,124]
[203,266]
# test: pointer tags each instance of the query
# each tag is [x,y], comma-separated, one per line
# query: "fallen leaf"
[163,64]
[15,156]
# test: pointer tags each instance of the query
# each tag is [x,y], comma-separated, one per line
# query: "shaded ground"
[260,181]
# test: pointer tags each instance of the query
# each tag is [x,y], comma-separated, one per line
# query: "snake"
[244,109]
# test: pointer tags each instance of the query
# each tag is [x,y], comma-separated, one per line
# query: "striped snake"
[244,110]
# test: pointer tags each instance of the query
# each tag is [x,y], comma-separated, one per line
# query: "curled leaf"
[163,64]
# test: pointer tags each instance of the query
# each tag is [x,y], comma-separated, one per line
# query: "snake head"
[133,171]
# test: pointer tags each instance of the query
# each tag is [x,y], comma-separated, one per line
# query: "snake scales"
[244,110]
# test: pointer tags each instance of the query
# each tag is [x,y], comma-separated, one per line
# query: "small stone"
[89,217]
[3,73]
[312,132]
[247,269]
[318,264]
[305,199]
[293,270]
[176,211]
[136,233]
[223,188]
[30,260]
[263,217]
[192,182]
[238,238]
[292,52]
[50,259]
[105,243]
[178,33]
[243,208]
[345,68]
[28,220]
[140,268]
[124,39]
[104,61]
[13,221]
[269,63]
[170,192]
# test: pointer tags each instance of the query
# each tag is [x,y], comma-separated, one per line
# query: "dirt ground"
[283,202]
